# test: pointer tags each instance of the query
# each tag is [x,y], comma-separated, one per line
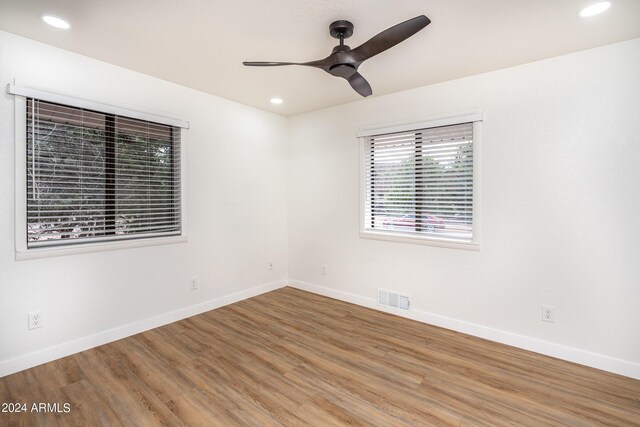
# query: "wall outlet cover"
[548,314]
[36,320]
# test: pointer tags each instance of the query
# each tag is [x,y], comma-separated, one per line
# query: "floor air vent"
[391,299]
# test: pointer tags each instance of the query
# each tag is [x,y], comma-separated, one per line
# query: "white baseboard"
[583,357]
[58,351]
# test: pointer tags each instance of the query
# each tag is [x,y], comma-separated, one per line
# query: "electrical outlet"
[36,320]
[323,269]
[194,283]
[270,265]
[548,314]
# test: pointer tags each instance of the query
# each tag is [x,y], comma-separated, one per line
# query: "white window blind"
[95,176]
[420,182]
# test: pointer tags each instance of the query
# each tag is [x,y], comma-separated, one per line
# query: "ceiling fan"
[344,61]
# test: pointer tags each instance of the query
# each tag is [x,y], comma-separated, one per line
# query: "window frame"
[474,117]
[22,252]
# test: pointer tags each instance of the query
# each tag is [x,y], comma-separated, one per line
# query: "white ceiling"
[202,43]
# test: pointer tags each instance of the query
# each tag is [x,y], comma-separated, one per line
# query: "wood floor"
[294,358]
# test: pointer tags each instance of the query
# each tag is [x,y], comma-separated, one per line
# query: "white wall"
[560,187]
[236,216]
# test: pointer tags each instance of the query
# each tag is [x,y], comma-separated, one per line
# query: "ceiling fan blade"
[360,84]
[318,64]
[390,37]
[268,64]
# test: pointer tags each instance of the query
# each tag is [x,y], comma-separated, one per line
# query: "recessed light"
[276,100]
[595,9]
[54,21]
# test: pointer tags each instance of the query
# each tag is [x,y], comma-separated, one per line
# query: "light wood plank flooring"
[294,358]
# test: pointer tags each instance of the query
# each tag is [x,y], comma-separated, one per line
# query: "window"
[92,176]
[419,183]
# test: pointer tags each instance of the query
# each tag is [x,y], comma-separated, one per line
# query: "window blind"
[95,176]
[420,182]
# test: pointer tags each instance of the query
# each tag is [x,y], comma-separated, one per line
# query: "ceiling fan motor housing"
[346,65]
[342,70]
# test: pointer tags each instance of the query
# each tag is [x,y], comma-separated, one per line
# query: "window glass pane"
[94,176]
[145,177]
[421,182]
[65,173]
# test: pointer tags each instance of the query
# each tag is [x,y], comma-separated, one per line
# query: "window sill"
[420,240]
[86,248]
